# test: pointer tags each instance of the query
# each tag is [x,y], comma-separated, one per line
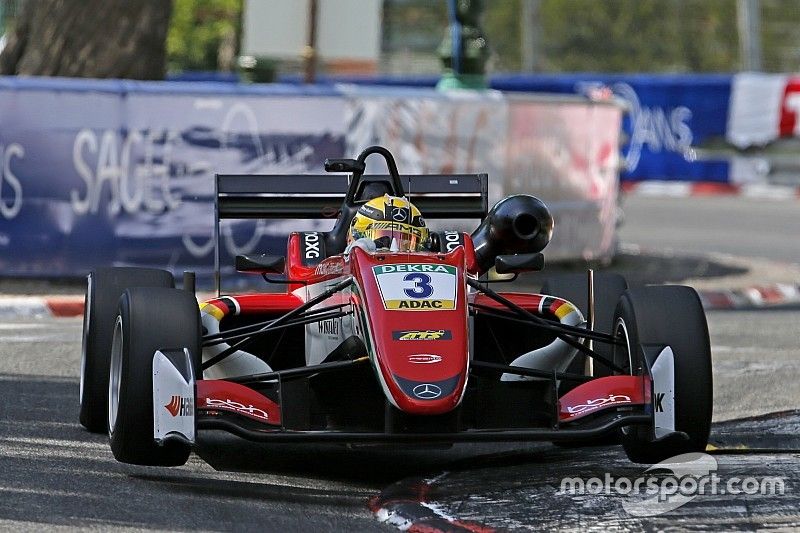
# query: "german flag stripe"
[214,308]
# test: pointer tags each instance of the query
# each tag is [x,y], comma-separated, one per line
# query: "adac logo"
[180,406]
[422,335]
[419,305]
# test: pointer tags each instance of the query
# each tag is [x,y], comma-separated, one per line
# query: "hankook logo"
[180,406]
[427,391]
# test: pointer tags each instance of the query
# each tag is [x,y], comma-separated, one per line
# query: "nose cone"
[415,314]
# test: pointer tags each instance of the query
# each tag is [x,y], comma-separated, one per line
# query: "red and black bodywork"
[404,346]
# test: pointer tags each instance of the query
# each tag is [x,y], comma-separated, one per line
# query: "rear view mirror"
[261,264]
[507,264]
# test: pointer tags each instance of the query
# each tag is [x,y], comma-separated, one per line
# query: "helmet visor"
[408,237]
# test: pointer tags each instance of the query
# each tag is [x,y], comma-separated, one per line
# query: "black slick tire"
[670,316]
[149,319]
[105,286]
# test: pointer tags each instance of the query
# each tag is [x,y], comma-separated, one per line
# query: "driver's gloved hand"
[368,245]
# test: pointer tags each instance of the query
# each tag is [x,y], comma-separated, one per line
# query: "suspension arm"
[542,323]
[280,320]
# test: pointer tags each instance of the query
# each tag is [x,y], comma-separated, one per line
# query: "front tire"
[149,319]
[105,286]
[669,316]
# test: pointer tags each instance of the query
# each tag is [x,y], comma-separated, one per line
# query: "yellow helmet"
[390,219]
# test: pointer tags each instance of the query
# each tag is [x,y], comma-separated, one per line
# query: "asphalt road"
[54,474]
[766,229]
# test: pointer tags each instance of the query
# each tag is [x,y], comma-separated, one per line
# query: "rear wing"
[321,196]
[316,196]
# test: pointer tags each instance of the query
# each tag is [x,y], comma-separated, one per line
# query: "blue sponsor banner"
[100,172]
[669,115]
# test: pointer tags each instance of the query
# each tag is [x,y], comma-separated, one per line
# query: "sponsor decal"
[659,401]
[400,214]
[424,358]
[237,407]
[452,240]
[370,211]
[591,405]
[397,226]
[427,391]
[180,406]
[663,398]
[312,247]
[417,287]
[422,335]
[330,267]
[329,327]
[388,269]
[423,305]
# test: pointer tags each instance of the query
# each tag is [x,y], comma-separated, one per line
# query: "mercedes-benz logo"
[399,214]
[427,391]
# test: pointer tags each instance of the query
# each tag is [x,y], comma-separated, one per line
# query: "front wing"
[183,405]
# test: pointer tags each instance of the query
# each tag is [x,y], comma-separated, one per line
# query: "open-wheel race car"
[390,332]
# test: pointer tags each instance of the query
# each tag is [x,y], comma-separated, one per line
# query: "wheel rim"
[115,376]
[86,316]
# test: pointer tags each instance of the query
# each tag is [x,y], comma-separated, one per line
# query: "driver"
[389,223]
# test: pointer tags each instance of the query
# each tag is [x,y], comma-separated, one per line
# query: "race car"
[387,331]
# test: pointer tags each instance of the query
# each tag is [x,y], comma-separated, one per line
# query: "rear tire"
[105,286]
[149,319]
[671,316]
